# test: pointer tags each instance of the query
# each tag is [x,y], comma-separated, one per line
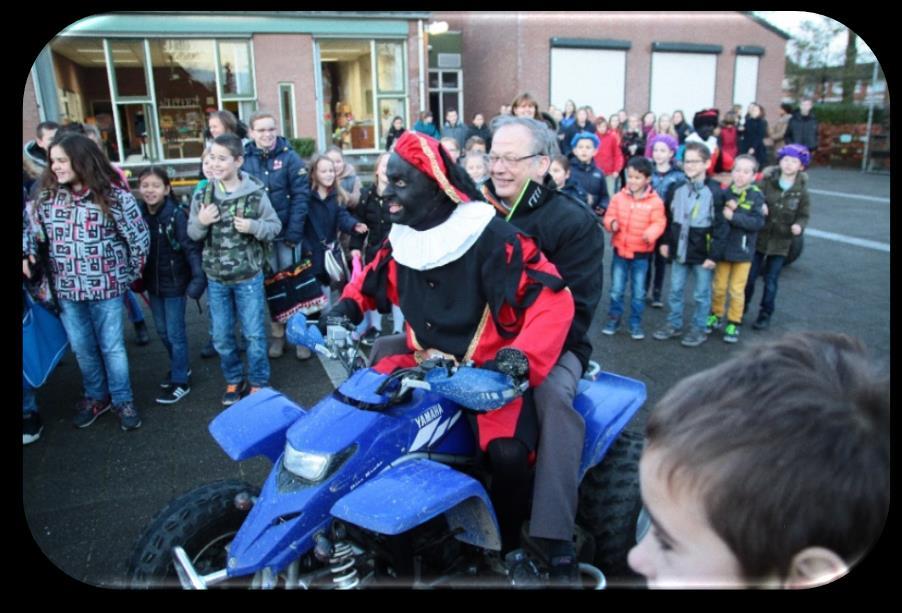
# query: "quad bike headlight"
[309,466]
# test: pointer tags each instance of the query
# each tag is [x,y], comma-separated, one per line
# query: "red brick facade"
[507,53]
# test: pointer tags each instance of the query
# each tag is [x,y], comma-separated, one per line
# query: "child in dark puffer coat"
[586,173]
[743,210]
[566,184]
[173,273]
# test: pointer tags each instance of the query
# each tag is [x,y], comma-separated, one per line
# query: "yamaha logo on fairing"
[429,416]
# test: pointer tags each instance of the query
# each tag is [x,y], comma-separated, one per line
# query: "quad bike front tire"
[610,503]
[203,521]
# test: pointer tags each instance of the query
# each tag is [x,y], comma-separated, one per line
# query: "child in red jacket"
[609,157]
[636,219]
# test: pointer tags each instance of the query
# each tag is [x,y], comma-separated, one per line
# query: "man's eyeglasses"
[508,160]
[699,161]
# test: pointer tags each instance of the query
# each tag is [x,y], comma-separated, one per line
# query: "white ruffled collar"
[445,242]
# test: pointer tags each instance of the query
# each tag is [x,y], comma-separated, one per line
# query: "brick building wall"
[413,71]
[287,58]
[30,114]
[507,53]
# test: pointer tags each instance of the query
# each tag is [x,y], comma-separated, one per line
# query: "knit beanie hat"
[795,151]
[581,135]
[667,139]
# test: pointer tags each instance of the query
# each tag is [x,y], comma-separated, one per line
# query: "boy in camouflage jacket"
[234,219]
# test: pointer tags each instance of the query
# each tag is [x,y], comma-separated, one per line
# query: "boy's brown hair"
[700,148]
[747,158]
[787,446]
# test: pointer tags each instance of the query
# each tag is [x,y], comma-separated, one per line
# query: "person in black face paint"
[448,262]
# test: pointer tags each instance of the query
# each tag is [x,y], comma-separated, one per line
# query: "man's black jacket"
[569,235]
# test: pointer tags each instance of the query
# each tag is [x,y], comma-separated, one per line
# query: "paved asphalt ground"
[87,494]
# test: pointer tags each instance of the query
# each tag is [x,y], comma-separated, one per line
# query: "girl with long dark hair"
[98,243]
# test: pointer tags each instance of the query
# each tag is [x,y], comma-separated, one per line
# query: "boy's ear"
[814,566]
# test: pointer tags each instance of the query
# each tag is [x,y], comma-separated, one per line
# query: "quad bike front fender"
[412,493]
[256,425]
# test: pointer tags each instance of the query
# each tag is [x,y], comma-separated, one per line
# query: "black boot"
[763,322]
[141,336]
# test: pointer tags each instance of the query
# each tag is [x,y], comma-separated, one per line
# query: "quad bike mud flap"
[256,425]
[607,409]
[414,492]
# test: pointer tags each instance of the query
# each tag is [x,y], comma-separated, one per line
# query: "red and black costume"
[468,287]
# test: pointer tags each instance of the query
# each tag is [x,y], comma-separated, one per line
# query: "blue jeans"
[636,269]
[169,319]
[135,314]
[659,265]
[95,332]
[770,267]
[701,294]
[249,307]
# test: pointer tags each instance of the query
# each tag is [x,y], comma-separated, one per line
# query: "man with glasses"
[471,287]
[569,235]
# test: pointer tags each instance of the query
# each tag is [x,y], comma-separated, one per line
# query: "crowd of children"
[822,424]
[258,209]
[711,229]
[647,179]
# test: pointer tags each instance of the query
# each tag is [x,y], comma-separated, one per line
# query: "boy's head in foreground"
[770,470]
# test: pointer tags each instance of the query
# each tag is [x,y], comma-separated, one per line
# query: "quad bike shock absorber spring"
[342,567]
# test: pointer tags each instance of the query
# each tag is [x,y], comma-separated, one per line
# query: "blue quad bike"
[378,486]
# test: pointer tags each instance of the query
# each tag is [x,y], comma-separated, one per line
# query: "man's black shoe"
[563,572]
[762,323]
[141,336]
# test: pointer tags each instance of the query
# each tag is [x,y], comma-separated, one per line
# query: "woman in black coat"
[478,128]
[394,132]
[753,137]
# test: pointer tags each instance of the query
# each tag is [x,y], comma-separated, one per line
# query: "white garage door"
[596,77]
[682,81]
[745,80]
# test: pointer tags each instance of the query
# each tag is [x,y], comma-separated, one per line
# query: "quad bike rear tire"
[610,503]
[203,521]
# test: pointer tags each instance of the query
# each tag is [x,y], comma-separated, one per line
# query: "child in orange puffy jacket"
[636,219]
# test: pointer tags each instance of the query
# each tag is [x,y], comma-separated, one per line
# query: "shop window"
[129,68]
[347,77]
[185,86]
[242,109]
[390,67]
[83,86]
[157,114]
[445,93]
[235,69]
[286,108]
[136,125]
[389,108]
